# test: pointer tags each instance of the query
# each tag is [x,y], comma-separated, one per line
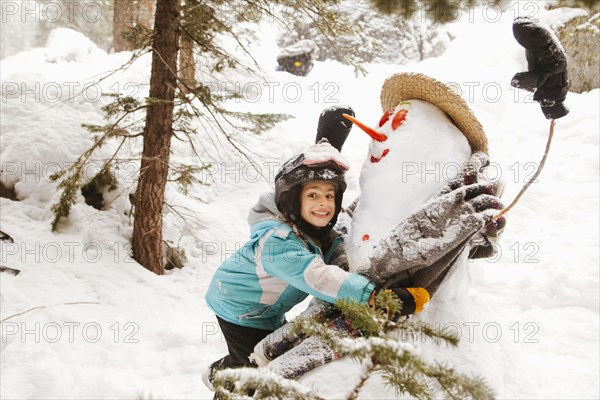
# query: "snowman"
[426,146]
[423,140]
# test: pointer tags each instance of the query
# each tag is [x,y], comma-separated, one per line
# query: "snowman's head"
[425,135]
[409,86]
[409,130]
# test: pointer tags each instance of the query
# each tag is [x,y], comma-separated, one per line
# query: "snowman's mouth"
[377,159]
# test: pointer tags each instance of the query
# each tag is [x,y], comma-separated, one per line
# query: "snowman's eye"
[399,119]
[385,117]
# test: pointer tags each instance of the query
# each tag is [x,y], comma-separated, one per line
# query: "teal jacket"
[274,271]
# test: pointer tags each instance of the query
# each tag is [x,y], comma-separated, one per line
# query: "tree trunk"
[147,226]
[145,12]
[123,19]
[187,66]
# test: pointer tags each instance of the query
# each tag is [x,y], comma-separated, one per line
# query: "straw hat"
[410,85]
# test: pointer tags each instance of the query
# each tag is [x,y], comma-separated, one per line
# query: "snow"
[305,46]
[243,375]
[360,345]
[80,47]
[322,152]
[590,25]
[529,319]
[558,17]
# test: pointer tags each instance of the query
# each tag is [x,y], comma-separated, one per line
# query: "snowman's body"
[423,150]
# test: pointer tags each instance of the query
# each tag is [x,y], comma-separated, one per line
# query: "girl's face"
[317,203]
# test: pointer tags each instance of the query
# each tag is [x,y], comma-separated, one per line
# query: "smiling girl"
[287,257]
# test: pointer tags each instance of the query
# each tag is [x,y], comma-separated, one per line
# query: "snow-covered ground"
[529,319]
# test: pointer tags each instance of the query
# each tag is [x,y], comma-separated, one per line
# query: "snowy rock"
[64,44]
[580,36]
[305,46]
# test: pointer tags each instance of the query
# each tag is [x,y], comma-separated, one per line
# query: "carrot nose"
[380,137]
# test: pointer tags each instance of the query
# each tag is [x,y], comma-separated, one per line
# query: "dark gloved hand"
[546,64]
[471,173]
[333,127]
[414,300]
[484,244]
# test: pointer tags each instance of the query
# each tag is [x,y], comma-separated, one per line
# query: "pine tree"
[129,18]
[374,341]
[181,107]
[122,22]
[187,64]
[154,169]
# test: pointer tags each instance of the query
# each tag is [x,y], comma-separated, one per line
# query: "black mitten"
[483,244]
[333,127]
[546,64]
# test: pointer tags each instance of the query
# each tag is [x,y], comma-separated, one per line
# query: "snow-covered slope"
[528,319]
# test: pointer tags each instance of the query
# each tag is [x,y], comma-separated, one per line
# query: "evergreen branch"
[366,374]
[231,383]
[193,147]
[219,53]
[363,318]
[229,139]
[406,380]
[108,74]
[398,361]
[116,152]
[228,29]
[311,326]
[185,176]
[381,350]
[73,182]
[415,328]
[187,219]
[275,118]
[266,9]
[459,386]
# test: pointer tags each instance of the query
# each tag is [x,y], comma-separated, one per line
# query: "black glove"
[333,127]
[546,64]
[483,245]
[471,172]
[414,300]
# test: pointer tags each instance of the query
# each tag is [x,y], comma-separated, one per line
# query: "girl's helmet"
[320,162]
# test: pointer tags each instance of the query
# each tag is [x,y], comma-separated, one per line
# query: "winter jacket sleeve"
[286,258]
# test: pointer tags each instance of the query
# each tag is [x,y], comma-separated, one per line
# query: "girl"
[287,257]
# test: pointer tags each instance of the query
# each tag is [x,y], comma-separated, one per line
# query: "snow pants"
[240,343]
